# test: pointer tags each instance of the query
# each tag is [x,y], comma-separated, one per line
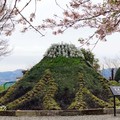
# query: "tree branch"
[25,6]
[3,7]
[29,22]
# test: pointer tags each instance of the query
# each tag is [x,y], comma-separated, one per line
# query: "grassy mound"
[59,83]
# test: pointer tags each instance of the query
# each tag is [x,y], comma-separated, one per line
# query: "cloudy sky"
[29,47]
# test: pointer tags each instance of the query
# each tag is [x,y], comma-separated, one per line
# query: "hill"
[63,79]
[8,76]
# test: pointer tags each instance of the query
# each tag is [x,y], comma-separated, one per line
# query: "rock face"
[59,81]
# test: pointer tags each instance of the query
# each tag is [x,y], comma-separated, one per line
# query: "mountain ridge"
[8,76]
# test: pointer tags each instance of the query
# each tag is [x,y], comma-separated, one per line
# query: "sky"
[29,48]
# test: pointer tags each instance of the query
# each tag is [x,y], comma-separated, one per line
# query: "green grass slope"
[59,83]
[65,73]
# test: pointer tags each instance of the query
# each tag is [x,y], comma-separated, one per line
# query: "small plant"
[3,108]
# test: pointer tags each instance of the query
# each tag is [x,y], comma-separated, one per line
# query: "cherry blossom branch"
[25,6]
[29,23]
[6,17]
[58,5]
[95,44]
[3,7]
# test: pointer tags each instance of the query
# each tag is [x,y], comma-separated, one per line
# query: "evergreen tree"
[117,75]
[90,57]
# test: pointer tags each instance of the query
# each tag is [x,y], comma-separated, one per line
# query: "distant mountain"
[107,72]
[8,76]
